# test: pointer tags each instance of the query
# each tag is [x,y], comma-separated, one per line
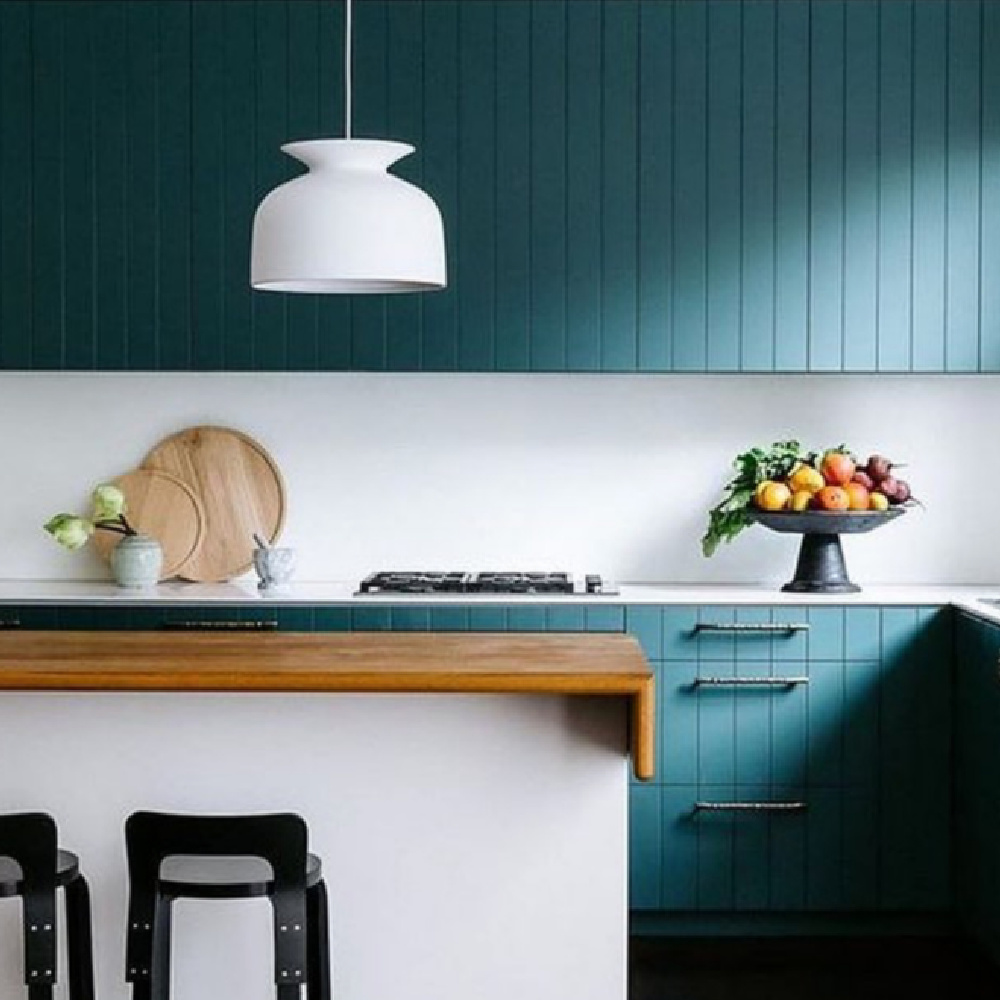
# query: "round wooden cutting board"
[161,505]
[241,491]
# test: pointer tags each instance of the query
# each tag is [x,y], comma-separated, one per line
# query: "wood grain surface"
[610,665]
[241,490]
[161,505]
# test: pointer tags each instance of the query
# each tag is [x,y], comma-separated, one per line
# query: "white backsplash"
[604,473]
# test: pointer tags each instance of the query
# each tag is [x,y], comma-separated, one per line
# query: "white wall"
[474,846]
[609,474]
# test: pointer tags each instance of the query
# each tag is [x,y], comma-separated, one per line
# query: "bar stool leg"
[317,943]
[79,943]
[160,971]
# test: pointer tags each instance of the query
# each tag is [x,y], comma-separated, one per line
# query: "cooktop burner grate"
[492,582]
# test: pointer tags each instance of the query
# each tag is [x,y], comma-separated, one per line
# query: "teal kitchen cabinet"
[636,185]
[977,785]
[804,761]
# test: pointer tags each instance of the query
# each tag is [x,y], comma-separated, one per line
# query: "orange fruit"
[805,477]
[773,496]
[832,498]
[857,495]
[878,501]
[837,468]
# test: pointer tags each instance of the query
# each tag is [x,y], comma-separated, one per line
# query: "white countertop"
[969,597]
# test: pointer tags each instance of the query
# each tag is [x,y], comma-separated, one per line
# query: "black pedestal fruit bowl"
[821,568]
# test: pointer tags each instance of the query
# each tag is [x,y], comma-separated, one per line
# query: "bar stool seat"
[11,876]
[207,876]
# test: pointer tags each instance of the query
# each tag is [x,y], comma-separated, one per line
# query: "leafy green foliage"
[731,515]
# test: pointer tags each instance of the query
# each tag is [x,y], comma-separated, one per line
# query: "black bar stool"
[226,857]
[33,867]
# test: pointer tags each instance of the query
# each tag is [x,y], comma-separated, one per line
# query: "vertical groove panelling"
[655,180]
[512,195]
[689,344]
[108,267]
[140,185]
[302,96]
[16,253]
[333,320]
[989,262]
[619,223]
[239,45]
[547,215]
[705,185]
[791,209]
[826,187]
[929,148]
[208,125]
[757,231]
[440,332]
[962,279]
[173,196]
[47,190]
[583,184]
[475,267]
[404,104]
[860,188]
[271,165]
[895,196]
[368,312]
[78,182]
[725,96]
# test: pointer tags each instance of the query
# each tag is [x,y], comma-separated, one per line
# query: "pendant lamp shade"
[347,225]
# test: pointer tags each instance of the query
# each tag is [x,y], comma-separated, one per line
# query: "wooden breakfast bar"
[475,840]
[605,665]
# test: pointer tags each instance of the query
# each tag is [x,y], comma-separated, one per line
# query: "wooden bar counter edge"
[585,664]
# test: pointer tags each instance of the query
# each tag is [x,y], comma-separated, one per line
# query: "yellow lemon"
[877,501]
[805,477]
[801,499]
[774,496]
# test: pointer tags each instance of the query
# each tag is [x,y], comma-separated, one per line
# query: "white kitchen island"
[474,844]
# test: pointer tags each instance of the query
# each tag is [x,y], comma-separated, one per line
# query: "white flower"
[69,530]
[109,502]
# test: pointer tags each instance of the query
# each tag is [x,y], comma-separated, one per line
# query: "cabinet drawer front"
[728,634]
[30,616]
[789,723]
[762,848]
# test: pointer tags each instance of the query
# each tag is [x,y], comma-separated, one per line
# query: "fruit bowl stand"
[821,568]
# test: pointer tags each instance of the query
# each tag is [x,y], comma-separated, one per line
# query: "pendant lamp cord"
[348,31]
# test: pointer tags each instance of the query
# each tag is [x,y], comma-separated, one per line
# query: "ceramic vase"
[136,561]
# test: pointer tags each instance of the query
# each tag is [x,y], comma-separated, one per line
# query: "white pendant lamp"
[348,225]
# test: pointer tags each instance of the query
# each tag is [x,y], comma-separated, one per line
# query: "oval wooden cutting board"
[161,505]
[241,491]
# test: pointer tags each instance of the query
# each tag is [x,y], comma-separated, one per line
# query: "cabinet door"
[977,790]
[861,737]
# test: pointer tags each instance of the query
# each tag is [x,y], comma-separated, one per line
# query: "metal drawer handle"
[754,807]
[782,682]
[10,622]
[753,628]
[220,626]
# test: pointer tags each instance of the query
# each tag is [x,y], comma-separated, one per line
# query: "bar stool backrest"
[31,840]
[281,839]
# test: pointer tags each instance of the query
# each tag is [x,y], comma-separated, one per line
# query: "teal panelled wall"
[765,185]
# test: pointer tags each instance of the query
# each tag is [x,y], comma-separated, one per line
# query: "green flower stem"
[119,526]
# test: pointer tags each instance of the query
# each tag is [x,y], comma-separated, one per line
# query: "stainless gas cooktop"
[420,582]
